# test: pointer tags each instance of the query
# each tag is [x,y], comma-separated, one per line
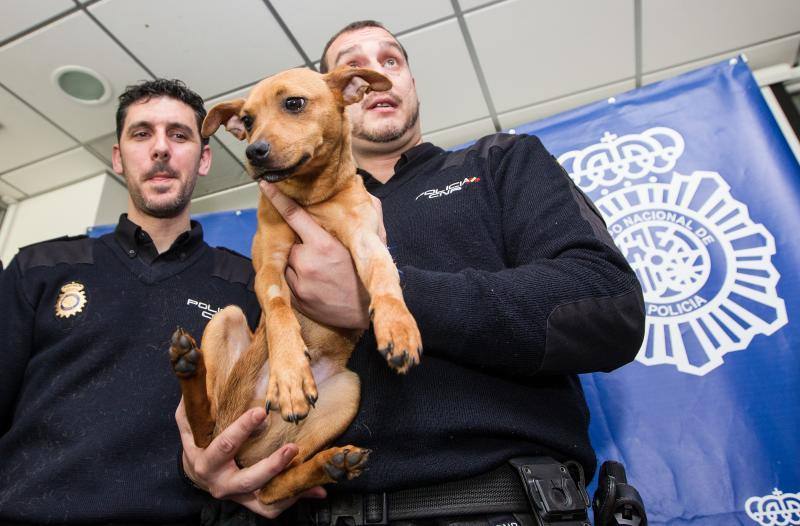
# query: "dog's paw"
[291,389]
[346,463]
[397,334]
[184,354]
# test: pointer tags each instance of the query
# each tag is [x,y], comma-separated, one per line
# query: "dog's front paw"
[291,388]
[396,333]
[346,462]
[184,354]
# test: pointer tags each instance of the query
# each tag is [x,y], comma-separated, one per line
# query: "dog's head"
[296,120]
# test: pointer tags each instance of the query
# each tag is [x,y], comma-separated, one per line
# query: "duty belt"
[537,485]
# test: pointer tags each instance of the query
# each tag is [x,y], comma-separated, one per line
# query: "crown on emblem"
[627,158]
[776,509]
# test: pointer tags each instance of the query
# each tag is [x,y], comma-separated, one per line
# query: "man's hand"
[320,272]
[214,468]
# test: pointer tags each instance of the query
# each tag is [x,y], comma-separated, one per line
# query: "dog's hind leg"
[336,408]
[189,366]
[331,465]
[202,372]
[225,340]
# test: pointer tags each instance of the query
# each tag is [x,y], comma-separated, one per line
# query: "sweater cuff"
[184,477]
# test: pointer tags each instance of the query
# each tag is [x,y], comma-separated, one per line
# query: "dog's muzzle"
[273,175]
[257,153]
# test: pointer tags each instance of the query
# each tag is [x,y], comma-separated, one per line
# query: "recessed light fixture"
[82,84]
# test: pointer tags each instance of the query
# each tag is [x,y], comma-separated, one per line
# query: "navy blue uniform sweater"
[516,287]
[87,402]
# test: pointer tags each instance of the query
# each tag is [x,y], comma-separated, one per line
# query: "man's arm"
[16,337]
[567,302]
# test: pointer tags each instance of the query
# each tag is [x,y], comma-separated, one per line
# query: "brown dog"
[299,138]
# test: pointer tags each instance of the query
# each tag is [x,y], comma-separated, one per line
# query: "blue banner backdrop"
[702,194]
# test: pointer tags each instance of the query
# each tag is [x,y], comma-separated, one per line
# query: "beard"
[386,133]
[160,208]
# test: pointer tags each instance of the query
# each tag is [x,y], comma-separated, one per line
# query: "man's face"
[381,117]
[160,154]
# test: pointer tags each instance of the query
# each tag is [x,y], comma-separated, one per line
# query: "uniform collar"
[417,155]
[138,243]
[409,159]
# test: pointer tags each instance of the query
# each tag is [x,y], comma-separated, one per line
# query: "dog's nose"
[257,152]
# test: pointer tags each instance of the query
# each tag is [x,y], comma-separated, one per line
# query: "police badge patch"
[71,300]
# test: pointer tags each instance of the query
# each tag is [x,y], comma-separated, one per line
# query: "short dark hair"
[355,26]
[174,89]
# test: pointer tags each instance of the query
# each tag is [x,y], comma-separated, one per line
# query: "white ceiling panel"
[678,31]
[28,64]
[6,190]
[19,15]
[539,57]
[236,146]
[24,135]
[536,50]
[212,46]
[536,112]
[437,53]
[461,134]
[313,32]
[450,60]
[778,51]
[56,171]
[466,5]
[103,146]
[225,172]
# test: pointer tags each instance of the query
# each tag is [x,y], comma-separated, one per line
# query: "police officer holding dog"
[517,288]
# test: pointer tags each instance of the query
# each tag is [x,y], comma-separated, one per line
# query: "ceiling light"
[82,84]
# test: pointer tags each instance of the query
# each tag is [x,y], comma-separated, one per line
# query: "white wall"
[70,210]
[113,202]
[239,198]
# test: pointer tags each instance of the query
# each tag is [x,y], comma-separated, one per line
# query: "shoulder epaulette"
[482,147]
[66,249]
[233,267]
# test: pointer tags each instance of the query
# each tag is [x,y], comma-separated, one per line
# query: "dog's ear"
[225,113]
[354,83]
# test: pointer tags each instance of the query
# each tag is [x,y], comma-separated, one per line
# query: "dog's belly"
[322,369]
[333,383]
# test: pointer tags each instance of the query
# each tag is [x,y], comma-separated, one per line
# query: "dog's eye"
[247,120]
[294,104]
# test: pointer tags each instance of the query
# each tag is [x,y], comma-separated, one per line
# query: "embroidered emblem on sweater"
[705,266]
[206,310]
[71,300]
[449,189]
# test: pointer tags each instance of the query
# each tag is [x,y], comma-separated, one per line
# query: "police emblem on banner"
[777,509]
[71,300]
[705,266]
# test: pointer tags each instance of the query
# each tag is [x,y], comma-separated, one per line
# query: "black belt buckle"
[354,509]
[554,496]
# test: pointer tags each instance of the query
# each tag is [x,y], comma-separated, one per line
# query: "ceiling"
[480,65]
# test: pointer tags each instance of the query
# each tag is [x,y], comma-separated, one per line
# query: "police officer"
[516,286]
[86,390]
